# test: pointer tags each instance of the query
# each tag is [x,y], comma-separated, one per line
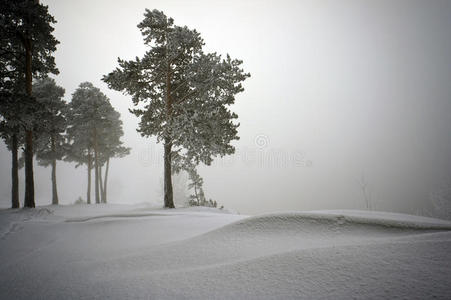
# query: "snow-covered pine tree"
[198,198]
[94,132]
[87,115]
[181,94]
[26,48]
[50,139]
[184,163]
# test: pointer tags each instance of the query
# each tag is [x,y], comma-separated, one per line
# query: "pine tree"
[94,132]
[50,140]
[87,108]
[198,198]
[182,94]
[181,163]
[15,111]
[110,146]
[27,45]
[79,148]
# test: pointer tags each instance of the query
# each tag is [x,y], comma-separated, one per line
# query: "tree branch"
[186,96]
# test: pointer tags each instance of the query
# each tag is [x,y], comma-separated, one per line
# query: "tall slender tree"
[13,138]
[110,146]
[27,45]
[14,108]
[182,94]
[79,148]
[50,141]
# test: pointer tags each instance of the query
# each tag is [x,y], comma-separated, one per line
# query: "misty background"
[339,90]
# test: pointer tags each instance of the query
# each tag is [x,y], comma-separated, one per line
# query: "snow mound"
[260,236]
[118,252]
[335,220]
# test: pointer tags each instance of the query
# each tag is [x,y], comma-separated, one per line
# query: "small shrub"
[203,202]
[80,201]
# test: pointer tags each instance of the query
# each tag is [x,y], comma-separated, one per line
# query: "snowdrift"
[333,221]
[144,253]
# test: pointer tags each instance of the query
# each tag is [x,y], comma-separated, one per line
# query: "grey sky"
[338,89]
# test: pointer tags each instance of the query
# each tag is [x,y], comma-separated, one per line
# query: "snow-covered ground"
[141,252]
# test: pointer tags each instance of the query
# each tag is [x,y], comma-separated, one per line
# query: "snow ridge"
[125,215]
[330,221]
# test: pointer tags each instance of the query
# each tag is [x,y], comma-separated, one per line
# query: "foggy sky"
[338,89]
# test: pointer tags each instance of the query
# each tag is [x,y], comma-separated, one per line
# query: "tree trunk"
[14,174]
[102,195]
[195,193]
[106,179]
[29,181]
[54,189]
[88,195]
[96,168]
[168,194]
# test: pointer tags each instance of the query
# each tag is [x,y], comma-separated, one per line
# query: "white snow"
[142,252]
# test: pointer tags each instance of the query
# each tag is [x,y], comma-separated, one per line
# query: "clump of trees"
[33,114]
[93,135]
[87,130]
[27,45]
[182,94]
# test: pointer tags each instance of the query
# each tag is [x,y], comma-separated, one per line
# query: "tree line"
[182,95]
[35,118]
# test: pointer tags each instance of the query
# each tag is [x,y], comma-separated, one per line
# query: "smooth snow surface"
[140,252]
